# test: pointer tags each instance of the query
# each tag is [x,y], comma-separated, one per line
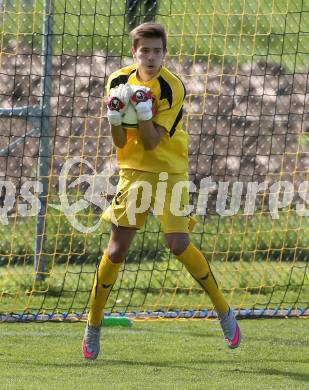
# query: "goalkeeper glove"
[117,103]
[142,102]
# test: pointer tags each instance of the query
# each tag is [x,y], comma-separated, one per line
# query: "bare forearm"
[149,134]
[119,136]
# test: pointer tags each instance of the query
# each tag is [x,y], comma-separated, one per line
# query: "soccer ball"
[129,118]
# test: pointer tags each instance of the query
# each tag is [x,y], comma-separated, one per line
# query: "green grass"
[155,285]
[241,237]
[156,355]
[226,32]
[259,262]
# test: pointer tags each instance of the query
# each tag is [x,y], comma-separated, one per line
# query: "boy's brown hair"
[148,30]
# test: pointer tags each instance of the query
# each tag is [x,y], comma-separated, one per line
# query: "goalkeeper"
[155,151]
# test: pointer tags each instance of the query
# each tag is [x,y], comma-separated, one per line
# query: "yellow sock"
[106,277]
[191,224]
[198,267]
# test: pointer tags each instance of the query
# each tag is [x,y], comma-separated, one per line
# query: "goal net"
[245,67]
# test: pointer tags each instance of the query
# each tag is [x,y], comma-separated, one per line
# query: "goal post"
[245,67]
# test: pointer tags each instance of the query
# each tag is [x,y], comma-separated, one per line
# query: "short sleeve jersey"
[171,154]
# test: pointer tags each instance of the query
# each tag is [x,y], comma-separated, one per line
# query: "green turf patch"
[156,355]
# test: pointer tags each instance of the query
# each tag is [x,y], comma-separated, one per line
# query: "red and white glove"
[117,103]
[142,101]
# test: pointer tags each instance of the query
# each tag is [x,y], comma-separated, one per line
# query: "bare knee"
[177,242]
[117,252]
[119,243]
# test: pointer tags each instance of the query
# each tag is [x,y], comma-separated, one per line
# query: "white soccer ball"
[129,118]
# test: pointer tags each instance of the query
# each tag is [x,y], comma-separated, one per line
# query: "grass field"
[155,286]
[168,355]
[240,237]
[255,260]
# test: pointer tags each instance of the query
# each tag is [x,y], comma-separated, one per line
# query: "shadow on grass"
[204,363]
[108,362]
[273,371]
[277,340]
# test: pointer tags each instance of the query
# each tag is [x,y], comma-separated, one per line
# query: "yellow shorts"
[165,195]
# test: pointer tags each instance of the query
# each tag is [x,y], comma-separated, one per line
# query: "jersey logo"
[106,285]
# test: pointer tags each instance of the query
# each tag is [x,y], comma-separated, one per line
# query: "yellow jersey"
[171,154]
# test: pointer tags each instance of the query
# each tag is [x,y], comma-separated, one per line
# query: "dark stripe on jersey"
[130,125]
[184,88]
[121,79]
[166,91]
[132,71]
[180,113]
[177,120]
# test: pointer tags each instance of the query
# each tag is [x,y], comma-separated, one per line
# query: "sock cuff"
[107,271]
[106,260]
[184,255]
[194,260]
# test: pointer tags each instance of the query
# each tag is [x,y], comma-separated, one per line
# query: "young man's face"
[149,55]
